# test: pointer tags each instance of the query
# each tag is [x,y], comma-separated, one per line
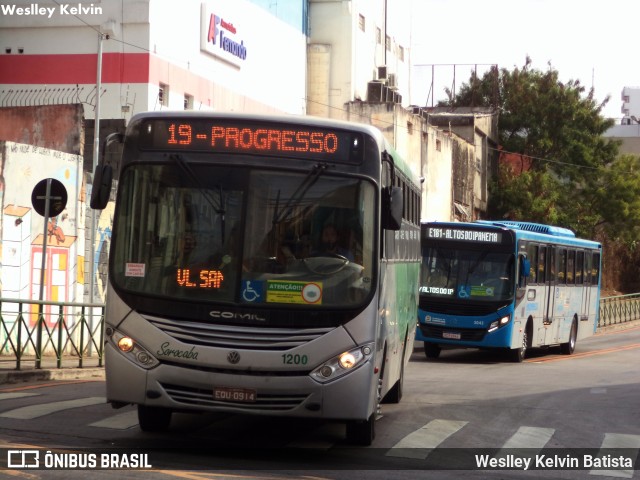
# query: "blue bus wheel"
[518,354]
[570,346]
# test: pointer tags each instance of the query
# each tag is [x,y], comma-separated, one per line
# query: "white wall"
[273,73]
[437,170]
[355,54]
[167,35]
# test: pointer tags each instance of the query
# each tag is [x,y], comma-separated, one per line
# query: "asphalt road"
[463,409]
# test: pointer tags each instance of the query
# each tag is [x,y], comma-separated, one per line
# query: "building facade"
[154,55]
[628,131]
[630,102]
[352,43]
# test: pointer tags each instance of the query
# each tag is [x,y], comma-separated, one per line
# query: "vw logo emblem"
[233,357]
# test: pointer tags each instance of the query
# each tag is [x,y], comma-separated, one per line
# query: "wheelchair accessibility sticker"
[252,291]
[463,291]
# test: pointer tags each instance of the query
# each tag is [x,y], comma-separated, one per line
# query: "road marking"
[57,383]
[529,438]
[419,443]
[612,441]
[35,411]
[584,354]
[121,421]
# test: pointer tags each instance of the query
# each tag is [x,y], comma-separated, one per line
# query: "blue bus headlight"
[132,349]
[499,323]
[342,364]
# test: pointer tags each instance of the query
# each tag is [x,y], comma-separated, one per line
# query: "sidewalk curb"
[618,326]
[38,375]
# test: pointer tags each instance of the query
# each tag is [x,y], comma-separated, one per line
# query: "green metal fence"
[33,331]
[619,309]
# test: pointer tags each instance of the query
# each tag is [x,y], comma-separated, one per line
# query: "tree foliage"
[576,179]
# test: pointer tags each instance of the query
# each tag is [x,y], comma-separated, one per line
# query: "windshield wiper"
[475,265]
[219,209]
[307,182]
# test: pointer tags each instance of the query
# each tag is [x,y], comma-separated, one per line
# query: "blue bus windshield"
[467,274]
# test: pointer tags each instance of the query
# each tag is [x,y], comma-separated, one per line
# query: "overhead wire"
[342,110]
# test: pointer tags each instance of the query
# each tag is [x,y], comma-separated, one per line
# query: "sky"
[594,41]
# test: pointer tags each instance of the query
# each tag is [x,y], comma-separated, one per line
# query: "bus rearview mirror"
[392,205]
[101,187]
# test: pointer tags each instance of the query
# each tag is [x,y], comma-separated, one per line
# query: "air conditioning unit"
[382,73]
[391,80]
[375,92]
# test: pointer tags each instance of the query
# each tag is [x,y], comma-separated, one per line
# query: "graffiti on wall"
[23,230]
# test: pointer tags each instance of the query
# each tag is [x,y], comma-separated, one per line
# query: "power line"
[548,160]
[379,121]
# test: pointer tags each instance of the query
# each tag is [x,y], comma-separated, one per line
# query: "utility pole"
[96,154]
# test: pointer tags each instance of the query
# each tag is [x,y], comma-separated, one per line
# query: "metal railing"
[619,309]
[35,331]
[32,330]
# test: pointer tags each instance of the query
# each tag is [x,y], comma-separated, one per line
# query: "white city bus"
[225,295]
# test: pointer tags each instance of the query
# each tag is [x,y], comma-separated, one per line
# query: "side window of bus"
[587,268]
[552,264]
[532,255]
[542,262]
[579,267]
[571,262]
[595,270]
[562,266]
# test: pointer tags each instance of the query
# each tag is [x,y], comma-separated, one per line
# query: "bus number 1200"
[294,359]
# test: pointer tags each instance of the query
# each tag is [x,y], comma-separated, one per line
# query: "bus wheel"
[518,354]
[362,432]
[431,350]
[570,346]
[395,394]
[153,419]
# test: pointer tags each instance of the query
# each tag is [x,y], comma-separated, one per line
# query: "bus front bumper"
[184,388]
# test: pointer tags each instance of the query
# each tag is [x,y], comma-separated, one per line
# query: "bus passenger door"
[549,294]
[587,290]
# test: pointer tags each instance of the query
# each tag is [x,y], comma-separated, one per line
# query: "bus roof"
[531,227]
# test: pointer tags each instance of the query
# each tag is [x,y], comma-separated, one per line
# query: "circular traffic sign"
[57,197]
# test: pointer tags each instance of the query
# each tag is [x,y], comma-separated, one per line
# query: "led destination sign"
[459,235]
[241,137]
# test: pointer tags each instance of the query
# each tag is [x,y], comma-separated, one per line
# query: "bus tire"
[570,346]
[432,350]
[518,354]
[153,419]
[362,432]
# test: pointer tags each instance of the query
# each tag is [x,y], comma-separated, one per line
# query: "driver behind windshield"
[329,244]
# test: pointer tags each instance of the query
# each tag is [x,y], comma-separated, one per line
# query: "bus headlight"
[133,350]
[342,364]
[499,323]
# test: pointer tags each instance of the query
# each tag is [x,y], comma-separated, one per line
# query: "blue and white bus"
[506,285]
[224,294]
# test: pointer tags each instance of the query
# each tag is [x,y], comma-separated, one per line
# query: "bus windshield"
[234,235]
[473,275]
